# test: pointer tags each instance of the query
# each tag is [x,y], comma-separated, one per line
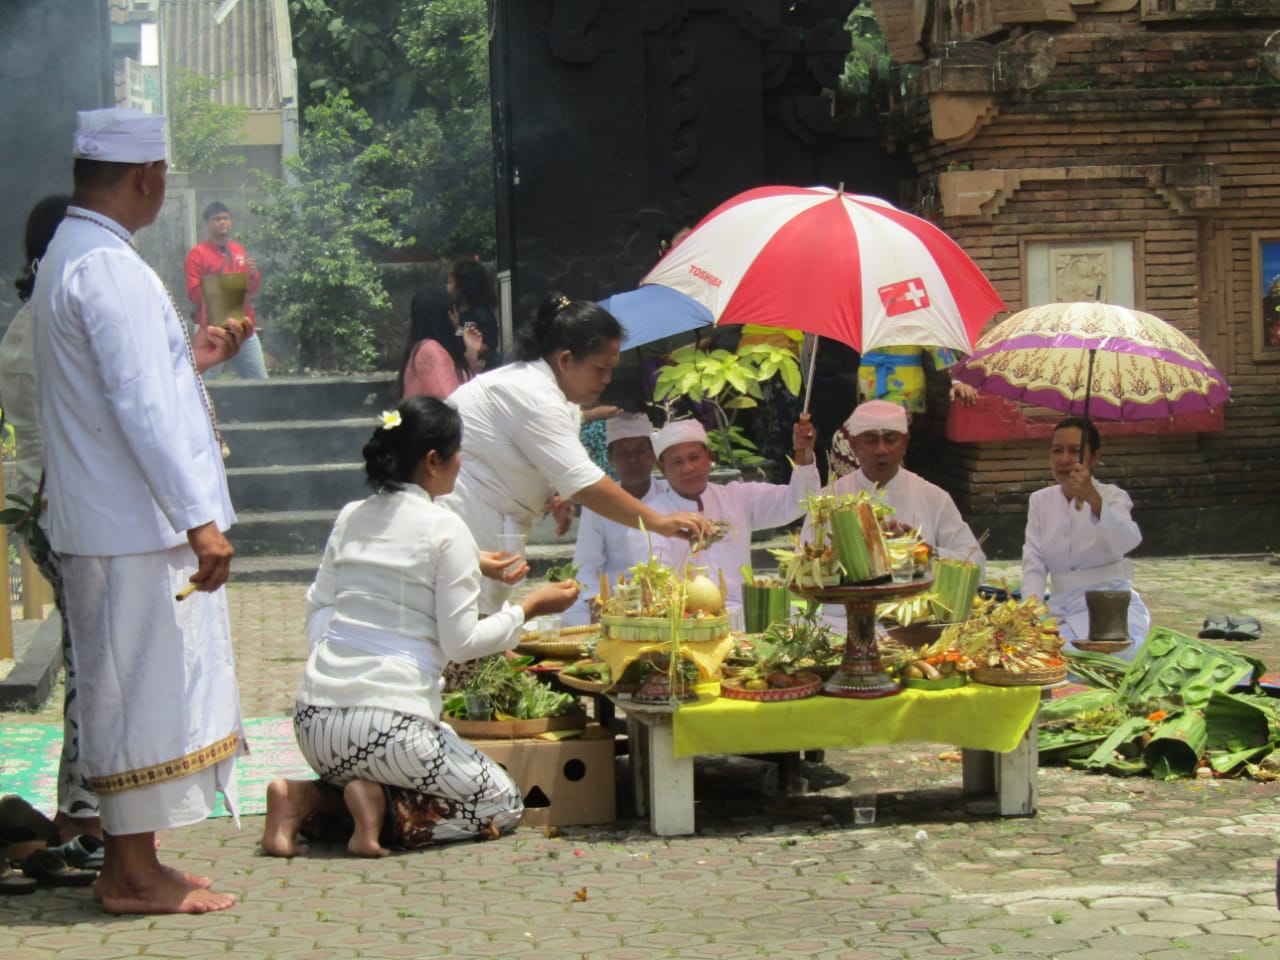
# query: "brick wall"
[1114,144]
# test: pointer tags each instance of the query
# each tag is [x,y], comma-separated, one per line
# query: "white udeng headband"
[877,415]
[678,431]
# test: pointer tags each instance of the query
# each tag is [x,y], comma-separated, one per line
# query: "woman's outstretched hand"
[685,524]
[502,566]
[550,598]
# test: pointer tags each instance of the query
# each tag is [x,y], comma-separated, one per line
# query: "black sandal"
[48,869]
[1243,628]
[12,883]
[1215,628]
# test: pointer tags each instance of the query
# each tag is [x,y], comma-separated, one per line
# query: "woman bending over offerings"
[394,600]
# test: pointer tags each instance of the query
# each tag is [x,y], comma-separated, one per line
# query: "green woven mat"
[29,764]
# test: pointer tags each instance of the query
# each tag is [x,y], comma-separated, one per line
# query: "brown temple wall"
[1193,264]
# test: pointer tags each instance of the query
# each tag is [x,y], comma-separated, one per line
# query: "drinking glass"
[478,705]
[902,564]
[547,627]
[512,543]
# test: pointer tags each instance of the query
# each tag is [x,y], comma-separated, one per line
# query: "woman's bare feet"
[134,881]
[289,802]
[368,807]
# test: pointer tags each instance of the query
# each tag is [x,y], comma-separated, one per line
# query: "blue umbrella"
[655,312]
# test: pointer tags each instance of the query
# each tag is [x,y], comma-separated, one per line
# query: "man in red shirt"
[218,253]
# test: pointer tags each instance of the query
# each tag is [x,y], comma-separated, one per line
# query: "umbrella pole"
[808,381]
[1088,392]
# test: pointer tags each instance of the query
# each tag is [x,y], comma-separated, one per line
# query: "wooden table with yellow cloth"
[994,726]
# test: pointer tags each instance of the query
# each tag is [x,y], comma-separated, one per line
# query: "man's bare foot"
[158,892]
[70,827]
[368,807]
[289,802]
[177,876]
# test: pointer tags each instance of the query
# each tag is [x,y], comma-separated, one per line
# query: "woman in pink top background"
[435,358]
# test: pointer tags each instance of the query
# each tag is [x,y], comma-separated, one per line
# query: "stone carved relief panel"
[1080,273]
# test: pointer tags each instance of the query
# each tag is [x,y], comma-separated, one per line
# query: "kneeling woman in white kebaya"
[1078,533]
[393,602]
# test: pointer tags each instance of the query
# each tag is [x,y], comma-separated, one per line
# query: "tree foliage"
[315,237]
[420,70]
[202,129]
[866,68]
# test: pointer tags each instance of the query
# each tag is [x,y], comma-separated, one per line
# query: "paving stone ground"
[1109,869]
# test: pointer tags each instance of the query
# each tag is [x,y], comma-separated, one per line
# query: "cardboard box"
[563,782]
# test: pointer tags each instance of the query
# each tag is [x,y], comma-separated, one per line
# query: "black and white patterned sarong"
[461,792]
[75,795]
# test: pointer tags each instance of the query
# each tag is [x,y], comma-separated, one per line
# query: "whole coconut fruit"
[703,596]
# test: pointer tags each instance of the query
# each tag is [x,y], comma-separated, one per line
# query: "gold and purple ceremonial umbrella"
[1094,360]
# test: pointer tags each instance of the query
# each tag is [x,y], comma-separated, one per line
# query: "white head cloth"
[678,431]
[626,425]
[877,415]
[119,135]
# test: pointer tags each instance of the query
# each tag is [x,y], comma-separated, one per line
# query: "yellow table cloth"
[975,717]
[707,654]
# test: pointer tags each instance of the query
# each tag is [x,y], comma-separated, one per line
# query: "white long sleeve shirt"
[519,446]
[393,601]
[1068,552]
[746,507]
[606,547]
[131,457]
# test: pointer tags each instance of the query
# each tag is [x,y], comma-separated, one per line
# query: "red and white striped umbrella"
[840,265]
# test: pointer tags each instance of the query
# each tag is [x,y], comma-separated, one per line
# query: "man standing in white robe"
[603,546]
[880,439]
[137,505]
[685,461]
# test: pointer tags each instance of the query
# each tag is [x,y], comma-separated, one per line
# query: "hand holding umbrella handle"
[803,439]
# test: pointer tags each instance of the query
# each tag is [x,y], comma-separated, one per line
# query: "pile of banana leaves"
[1181,706]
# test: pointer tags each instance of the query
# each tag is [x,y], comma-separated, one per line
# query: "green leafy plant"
[203,130]
[420,70]
[798,643]
[316,233]
[731,383]
[512,691]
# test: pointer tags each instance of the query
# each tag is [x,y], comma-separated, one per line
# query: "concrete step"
[272,443]
[303,398]
[260,533]
[310,486]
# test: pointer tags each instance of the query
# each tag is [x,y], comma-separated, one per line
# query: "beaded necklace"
[182,322]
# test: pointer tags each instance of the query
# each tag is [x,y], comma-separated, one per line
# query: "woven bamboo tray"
[996,677]
[583,684]
[1102,646]
[571,644]
[515,729]
[658,629]
[732,689]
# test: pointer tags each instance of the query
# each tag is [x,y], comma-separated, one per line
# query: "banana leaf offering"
[765,600]
[955,584]
[1177,711]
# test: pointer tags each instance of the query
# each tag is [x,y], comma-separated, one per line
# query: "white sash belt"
[381,643]
[1090,577]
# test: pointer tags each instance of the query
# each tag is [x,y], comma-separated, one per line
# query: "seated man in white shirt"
[880,438]
[605,547]
[685,461]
